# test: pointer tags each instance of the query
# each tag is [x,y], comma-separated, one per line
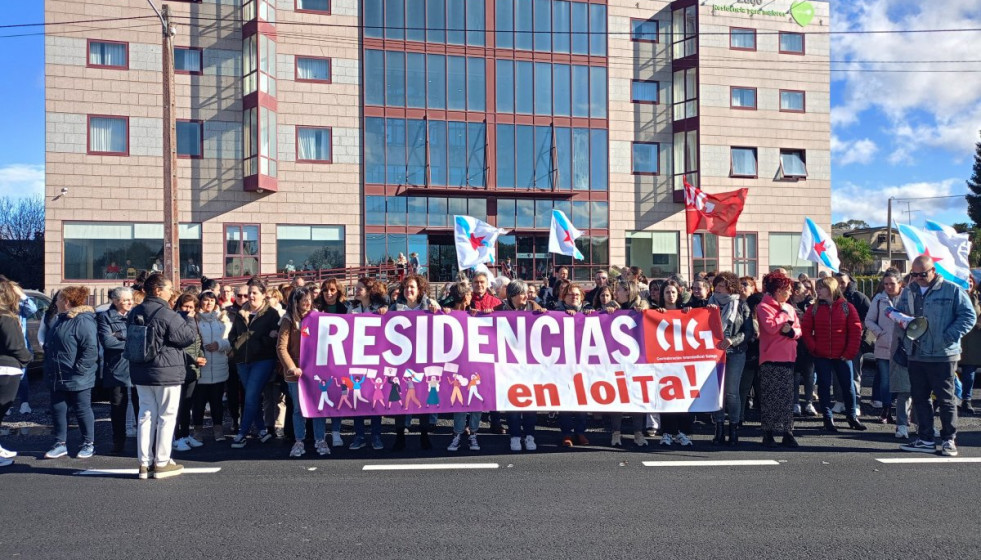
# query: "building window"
[644,30]
[742,98]
[685,158]
[742,39]
[119,250]
[655,252]
[313,144]
[187,60]
[190,139]
[685,94]
[744,254]
[784,253]
[108,135]
[792,101]
[310,69]
[684,23]
[791,43]
[704,252]
[108,54]
[743,162]
[309,247]
[644,91]
[241,250]
[793,164]
[644,158]
[316,6]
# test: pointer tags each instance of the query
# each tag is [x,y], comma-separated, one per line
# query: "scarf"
[729,304]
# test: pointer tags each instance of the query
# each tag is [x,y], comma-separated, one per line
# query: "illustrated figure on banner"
[410,389]
[457,381]
[346,385]
[324,397]
[394,394]
[378,396]
[433,399]
[472,389]
[356,384]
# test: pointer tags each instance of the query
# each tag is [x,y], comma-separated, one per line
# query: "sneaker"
[144,472]
[838,408]
[238,442]
[616,440]
[131,432]
[6,462]
[474,446]
[376,443]
[25,408]
[948,449]
[193,442]
[858,411]
[876,404]
[530,443]
[322,448]
[87,450]
[567,441]
[796,410]
[298,449]
[810,410]
[684,440]
[666,439]
[265,436]
[219,433]
[639,439]
[920,446]
[59,450]
[515,443]
[6,453]
[902,432]
[168,470]
[181,445]
[581,439]
[280,433]
[358,443]
[455,444]
[337,441]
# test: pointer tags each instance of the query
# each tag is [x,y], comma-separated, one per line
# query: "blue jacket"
[950,315]
[112,337]
[71,350]
[174,333]
[27,310]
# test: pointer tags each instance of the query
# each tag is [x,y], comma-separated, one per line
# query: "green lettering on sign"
[802,12]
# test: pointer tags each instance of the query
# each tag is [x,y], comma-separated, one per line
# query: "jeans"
[233,388]
[840,370]
[376,426]
[460,421]
[119,402]
[937,377]
[903,409]
[745,384]
[274,404]
[156,422]
[731,404]
[299,423]
[184,410]
[82,402]
[522,424]
[24,389]
[254,378]
[570,422]
[805,373]
[208,394]
[880,383]
[967,382]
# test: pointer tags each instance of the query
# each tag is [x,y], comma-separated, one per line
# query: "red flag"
[716,213]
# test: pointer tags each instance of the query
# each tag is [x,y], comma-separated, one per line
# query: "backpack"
[141,343]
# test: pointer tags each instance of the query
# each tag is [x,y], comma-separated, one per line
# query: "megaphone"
[917,328]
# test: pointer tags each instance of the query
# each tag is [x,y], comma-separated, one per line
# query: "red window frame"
[200,124]
[657,34]
[657,160]
[298,9]
[240,255]
[741,238]
[803,43]
[783,173]
[200,58]
[644,101]
[330,135]
[732,48]
[704,260]
[804,97]
[756,99]
[88,135]
[296,69]
[732,167]
[88,54]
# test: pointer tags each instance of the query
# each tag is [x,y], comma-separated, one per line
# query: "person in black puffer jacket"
[14,355]
[159,381]
[115,368]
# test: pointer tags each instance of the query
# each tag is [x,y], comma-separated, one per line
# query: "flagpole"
[690,276]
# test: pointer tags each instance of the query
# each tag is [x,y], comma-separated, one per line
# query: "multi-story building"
[333,133]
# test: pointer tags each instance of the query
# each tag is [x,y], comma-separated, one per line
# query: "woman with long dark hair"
[14,355]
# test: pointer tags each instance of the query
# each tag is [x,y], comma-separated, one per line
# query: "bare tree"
[22,239]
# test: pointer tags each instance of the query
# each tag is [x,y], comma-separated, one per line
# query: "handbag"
[900,356]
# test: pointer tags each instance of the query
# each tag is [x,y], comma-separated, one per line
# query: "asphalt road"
[829,499]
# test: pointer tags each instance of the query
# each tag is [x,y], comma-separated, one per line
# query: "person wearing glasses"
[933,357]
[234,390]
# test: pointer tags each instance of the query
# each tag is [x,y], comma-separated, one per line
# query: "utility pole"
[171,227]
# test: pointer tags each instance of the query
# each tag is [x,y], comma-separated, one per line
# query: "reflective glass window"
[543,88]
[525,213]
[523,87]
[599,215]
[563,157]
[436,78]
[644,158]
[395,79]
[456,83]
[435,21]
[373,18]
[543,213]
[562,89]
[416,208]
[457,141]
[543,157]
[416,132]
[374,77]
[438,216]
[415,20]
[561,25]
[476,154]
[523,10]
[456,22]
[580,93]
[505,156]
[415,79]
[504,23]
[524,156]
[597,92]
[476,84]
[543,25]
[395,151]
[395,210]
[580,159]
[374,209]
[505,213]
[475,22]
[598,160]
[505,86]
[374,150]
[437,152]
[394,19]
[580,28]
[597,30]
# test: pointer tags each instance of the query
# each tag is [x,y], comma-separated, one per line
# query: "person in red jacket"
[833,334]
[483,300]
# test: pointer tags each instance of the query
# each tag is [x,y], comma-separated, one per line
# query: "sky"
[907,134]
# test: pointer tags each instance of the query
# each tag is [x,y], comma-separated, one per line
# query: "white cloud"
[20,180]
[924,109]
[851,201]
[847,152]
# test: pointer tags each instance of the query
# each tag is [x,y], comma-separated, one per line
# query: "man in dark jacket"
[159,381]
[115,368]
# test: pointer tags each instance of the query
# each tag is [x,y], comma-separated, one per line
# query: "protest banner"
[420,363]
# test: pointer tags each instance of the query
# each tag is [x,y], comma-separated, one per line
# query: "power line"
[76,22]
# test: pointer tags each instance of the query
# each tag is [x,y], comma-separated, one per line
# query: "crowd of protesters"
[234,351]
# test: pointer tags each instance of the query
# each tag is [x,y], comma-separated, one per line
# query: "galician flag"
[475,241]
[816,246]
[947,248]
[562,238]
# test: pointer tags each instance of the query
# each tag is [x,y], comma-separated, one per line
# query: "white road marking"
[108,472]
[736,463]
[921,460]
[432,467]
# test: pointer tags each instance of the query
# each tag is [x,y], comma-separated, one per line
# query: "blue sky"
[902,134]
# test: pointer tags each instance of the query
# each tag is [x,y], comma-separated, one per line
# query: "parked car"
[42,302]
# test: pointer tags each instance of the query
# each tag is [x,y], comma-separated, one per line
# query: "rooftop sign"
[801,12]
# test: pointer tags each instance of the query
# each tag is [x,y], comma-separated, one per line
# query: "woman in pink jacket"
[779,331]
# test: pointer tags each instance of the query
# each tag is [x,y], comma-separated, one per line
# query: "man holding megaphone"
[937,314]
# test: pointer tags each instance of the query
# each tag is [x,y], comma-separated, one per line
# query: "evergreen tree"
[974,183]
